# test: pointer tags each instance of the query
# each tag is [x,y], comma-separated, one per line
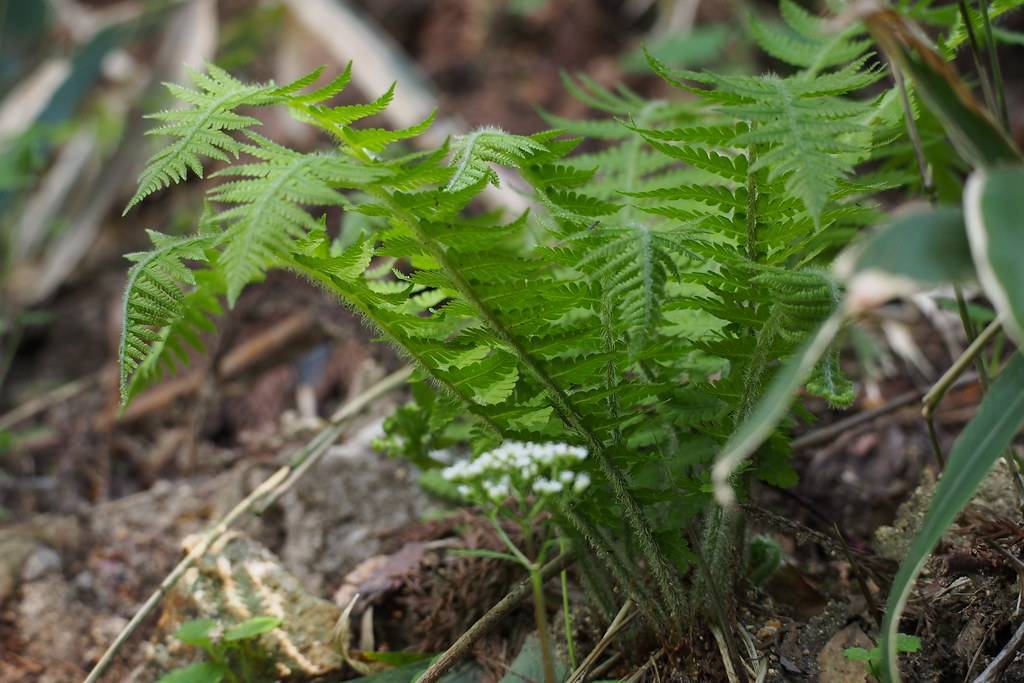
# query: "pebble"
[41,562]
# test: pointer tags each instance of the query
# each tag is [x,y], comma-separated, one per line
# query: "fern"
[799,129]
[957,36]
[636,311]
[204,129]
[267,216]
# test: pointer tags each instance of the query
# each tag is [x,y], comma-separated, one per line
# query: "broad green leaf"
[529,665]
[907,643]
[772,407]
[915,250]
[250,628]
[200,672]
[986,437]
[994,210]
[969,126]
[195,632]
[857,654]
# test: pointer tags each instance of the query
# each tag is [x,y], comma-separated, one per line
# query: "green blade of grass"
[997,421]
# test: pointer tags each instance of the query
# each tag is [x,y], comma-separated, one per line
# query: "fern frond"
[160,317]
[632,266]
[473,154]
[687,248]
[957,36]
[806,41]
[199,129]
[346,115]
[800,127]
[203,130]
[268,215]
[375,140]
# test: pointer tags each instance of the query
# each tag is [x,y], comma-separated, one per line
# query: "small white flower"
[544,486]
[582,482]
[464,490]
[441,455]
[567,476]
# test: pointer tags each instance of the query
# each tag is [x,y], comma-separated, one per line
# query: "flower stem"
[540,615]
[570,645]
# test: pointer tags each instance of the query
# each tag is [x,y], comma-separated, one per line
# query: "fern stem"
[915,136]
[723,528]
[753,378]
[660,567]
[649,607]
[997,72]
[975,50]
[596,584]
[393,337]
[751,205]
[610,376]
[633,156]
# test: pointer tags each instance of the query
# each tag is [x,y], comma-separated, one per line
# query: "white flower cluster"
[520,467]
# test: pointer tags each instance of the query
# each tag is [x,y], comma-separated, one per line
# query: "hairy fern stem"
[392,337]
[651,608]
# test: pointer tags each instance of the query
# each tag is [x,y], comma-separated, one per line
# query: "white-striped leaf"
[994,213]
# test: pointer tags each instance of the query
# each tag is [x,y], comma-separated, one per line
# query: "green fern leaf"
[159,316]
[202,130]
[807,43]
[800,128]
[267,217]
[473,154]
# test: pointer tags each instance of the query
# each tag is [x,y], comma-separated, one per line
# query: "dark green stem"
[997,71]
[975,50]
[751,206]
[927,182]
[651,609]
[540,615]
[972,333]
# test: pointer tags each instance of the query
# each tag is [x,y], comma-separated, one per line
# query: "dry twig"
[461,646]
[621,620]
[994,671]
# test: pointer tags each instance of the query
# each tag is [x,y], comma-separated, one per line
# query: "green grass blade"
[999,417]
